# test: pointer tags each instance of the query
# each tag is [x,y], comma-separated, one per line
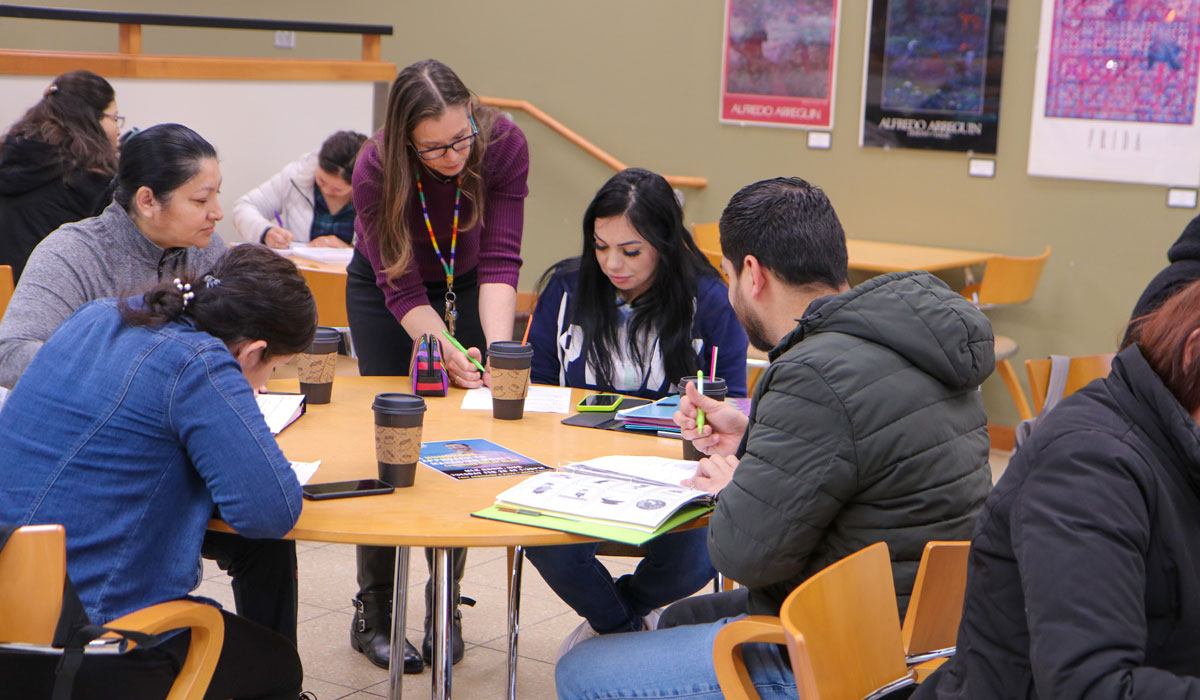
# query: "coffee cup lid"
[710,383]
[326,335]
[398,403]
[509,348]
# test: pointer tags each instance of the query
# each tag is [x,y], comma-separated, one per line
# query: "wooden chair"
[1008,280]
[329,290]
[842,631]
[525,303]
[6,287]
[708,239]
[1083,369]
[930,628]
[33,569]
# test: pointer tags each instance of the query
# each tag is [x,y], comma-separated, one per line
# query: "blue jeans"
[676,565]
[670,663]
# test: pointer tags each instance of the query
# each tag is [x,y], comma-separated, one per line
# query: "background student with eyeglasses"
[57,163]
[440,194]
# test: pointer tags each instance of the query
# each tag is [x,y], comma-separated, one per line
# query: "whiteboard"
[257,126]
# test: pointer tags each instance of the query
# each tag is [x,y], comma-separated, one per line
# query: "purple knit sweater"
[492,247]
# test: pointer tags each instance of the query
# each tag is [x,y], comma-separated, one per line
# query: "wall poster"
[932,74]
[1116,91]
[779,63]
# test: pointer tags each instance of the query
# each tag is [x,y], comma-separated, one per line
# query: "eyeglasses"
[120,121]
[438,151]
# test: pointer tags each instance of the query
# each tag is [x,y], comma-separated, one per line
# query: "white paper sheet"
[541,399]
[340,256]
[305,470]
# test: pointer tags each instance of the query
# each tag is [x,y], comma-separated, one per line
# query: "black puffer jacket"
[866,427]
[1083,575]
[35,198]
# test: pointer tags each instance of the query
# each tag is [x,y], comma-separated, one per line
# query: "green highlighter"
[458,345]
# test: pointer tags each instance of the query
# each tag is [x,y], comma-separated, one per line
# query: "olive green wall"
[640,78]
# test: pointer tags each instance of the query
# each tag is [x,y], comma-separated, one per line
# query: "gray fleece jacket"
[104,256]
[867,427]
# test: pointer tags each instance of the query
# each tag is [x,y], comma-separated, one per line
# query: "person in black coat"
[1184,267]
[1084,569]
[57,163]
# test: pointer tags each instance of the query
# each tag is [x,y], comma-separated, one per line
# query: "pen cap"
[714,387]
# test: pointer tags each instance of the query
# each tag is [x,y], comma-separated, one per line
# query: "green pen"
[458,345]
[700,388]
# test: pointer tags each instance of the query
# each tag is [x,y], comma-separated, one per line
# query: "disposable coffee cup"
[398,421]
[316,366]
[510,362]
[714,388]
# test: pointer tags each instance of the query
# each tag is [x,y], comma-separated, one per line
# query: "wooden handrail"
[591,148]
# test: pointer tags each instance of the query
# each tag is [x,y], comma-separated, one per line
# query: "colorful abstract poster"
[932,74]
[779,63]
[1116,91]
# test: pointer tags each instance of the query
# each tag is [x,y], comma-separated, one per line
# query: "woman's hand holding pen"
[278,237]
[462,371]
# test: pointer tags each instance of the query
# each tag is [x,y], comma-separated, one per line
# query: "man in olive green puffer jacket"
[866,427]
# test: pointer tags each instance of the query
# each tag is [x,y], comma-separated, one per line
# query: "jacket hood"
[918,317]
[1188,245]
[26,165]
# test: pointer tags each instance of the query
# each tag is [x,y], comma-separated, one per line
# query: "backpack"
[1056,389]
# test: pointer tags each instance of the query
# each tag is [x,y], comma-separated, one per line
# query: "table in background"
[879,256]
[436,511]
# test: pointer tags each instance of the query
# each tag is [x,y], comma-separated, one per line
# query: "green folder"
[601,531]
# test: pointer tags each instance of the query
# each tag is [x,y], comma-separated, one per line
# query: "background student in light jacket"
[309,201]
[135,421]
[640,308]
[1083,569]
[440,193]
[57,163]
[159,226]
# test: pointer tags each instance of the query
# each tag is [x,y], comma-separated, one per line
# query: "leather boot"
[456,638]
[370,631]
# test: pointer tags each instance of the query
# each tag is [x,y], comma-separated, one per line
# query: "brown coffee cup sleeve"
[509,384]
[397,445]
[316,369]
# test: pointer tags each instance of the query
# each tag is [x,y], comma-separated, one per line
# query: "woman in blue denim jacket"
[137,421]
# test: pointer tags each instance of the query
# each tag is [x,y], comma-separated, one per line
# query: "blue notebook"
[657,413]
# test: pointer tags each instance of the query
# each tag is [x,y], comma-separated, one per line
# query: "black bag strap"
[75,630]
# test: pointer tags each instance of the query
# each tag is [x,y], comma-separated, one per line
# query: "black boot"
[456,639]
[370,632]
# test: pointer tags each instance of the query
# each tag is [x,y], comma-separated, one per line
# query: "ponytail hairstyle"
[68,118]
[251,293]
[423,90]
[339,153]
[1163,337]
[162,158]
[667,308]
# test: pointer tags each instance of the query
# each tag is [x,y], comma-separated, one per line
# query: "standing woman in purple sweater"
[440,194]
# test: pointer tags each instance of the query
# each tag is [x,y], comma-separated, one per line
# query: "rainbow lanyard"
[451,308]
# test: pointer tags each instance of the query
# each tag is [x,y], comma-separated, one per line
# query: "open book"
[627,499]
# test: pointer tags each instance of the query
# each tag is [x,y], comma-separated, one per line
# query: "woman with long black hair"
[638,310]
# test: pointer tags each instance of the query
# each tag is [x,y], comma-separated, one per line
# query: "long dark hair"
[251,293]
[68,117]
[423,91]
[162,158]
[666,309]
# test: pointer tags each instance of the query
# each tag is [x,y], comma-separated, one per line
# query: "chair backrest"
[1083,370]
[6,287]
[935,608]
[1010,280]
[329,290]
[843,628]
[707,236]
[33,569]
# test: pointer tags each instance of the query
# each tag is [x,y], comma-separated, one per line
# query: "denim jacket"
[132,437]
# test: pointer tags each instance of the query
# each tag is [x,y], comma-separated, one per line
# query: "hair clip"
[185,290]
[50,90]
[210,281]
